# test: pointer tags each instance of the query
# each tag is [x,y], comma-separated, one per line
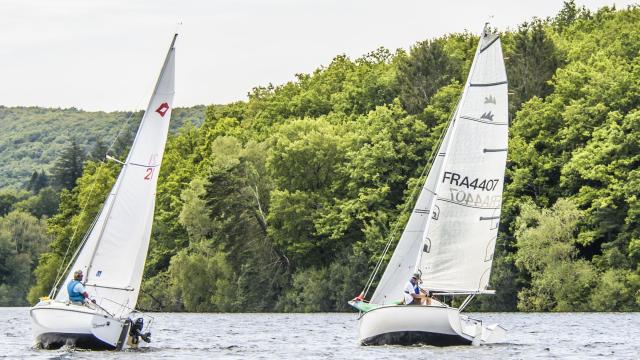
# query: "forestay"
[115,250]
[460,236]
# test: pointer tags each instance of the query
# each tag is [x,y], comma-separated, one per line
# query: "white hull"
[55,324]
[437,325]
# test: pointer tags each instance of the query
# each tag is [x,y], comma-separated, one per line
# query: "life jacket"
[416,289]
[74,295]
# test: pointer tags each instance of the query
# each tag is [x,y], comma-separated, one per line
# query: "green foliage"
[32,138]
[38,181]
[325,289]
[547,250]
[283,202]
[43,204]
[202,281]
[618,289]
[531,52]
[23,238]
[77,210]
[68,168]
[8,199]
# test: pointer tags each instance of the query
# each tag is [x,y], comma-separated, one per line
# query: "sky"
[106,54]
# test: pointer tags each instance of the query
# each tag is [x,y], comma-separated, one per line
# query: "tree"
[202,265]
[69,166]
[569,14]
[99,151]
[427,68]
[532,59]
[22,239]
[44,204]
[546,241]
[296,190]
[7,199]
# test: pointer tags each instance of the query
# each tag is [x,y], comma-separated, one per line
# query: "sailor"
[77,292]
[413,294]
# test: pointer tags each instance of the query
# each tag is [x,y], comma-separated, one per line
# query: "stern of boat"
[55,324]
[480,333]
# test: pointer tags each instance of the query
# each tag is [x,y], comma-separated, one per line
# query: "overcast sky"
[106,54]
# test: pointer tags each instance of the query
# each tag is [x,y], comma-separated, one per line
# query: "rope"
[125,123]
[75,231]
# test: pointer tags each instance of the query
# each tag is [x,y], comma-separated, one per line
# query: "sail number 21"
[148,173]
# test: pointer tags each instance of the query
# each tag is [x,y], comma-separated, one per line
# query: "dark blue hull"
[416,338]
[53,341]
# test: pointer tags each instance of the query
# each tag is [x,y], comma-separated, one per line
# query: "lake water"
[334,336]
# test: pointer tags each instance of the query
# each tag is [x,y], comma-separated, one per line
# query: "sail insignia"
[487,115]
[162,109]
[490,100]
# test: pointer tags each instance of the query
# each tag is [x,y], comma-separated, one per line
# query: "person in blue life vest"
[77,292]
[413,294]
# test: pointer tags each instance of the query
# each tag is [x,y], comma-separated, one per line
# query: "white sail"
[403,260]
[114,253]
[460,237]
[450,236]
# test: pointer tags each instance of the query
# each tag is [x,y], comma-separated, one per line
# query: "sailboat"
[451,234]
[113,252]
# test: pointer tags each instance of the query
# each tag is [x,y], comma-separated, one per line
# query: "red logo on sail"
[162,109]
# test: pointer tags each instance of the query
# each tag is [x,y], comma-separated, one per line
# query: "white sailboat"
[113,253]
[451,234]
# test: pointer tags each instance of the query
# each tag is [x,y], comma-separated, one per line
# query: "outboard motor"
[136,332]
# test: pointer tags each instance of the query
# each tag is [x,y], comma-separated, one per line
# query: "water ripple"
[327,336]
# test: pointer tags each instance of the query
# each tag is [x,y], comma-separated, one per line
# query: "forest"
[284,202]
[32,138]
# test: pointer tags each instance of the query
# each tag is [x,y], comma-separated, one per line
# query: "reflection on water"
[326,336]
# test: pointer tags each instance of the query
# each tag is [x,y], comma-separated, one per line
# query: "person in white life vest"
[413,294]
[77,292]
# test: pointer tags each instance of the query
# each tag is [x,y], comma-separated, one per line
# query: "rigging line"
[75,231]
[122,126]
[394,230]
[58,277]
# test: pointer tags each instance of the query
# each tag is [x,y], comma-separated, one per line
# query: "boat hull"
[415,337]
[55,324]
[428,325]
[56,340]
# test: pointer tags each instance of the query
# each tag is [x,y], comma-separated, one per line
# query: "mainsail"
[115,249]
[451,234]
